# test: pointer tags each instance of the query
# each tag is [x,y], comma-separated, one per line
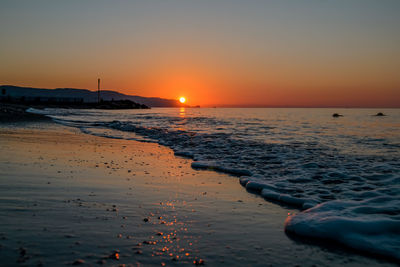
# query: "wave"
[361,225]
[316,179]
[351,199]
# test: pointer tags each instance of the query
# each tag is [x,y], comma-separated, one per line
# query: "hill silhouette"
[85,94]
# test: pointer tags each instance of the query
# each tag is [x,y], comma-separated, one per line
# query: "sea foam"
[367,225]
[347,185]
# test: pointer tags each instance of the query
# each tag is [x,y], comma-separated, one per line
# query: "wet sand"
[70,198]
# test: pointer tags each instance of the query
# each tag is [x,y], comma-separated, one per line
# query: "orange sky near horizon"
[230,53]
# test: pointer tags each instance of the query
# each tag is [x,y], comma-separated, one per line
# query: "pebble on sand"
[198,262]
[78,262]
[149,242]
[114,255]
[22,251]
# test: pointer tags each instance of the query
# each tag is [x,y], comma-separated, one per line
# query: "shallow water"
[344,169]
[67,196]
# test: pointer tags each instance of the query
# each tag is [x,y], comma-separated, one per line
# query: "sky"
[315,53]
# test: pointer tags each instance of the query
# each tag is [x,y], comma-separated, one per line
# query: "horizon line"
[224,105]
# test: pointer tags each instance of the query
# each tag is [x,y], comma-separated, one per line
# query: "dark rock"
[10,112]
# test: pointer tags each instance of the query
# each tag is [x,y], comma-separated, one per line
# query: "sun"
[182,100]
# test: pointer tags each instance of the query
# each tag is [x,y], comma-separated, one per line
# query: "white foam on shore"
[363,225]
[34,110]
[270,192]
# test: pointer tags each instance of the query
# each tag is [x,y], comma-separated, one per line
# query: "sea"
[341,173]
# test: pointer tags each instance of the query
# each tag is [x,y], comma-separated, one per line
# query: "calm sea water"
[344,173]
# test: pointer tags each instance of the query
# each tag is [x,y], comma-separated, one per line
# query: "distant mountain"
[86,95]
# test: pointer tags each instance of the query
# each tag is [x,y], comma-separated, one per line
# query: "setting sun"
[182,100]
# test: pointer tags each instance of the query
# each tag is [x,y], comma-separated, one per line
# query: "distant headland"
[75,97]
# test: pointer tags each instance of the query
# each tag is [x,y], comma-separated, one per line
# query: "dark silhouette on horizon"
[86,95]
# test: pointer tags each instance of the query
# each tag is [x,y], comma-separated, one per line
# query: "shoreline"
[17,113]
[116,190]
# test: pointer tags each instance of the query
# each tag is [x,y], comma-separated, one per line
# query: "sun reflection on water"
[182,112]
[182,116]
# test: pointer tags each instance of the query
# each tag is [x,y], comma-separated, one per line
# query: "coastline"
[72,198]
[17,113]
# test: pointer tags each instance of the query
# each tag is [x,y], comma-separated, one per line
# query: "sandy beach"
[67,198]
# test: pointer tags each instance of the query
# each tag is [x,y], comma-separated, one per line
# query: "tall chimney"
[98,90]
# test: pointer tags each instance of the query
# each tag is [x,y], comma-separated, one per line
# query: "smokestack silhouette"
[98,90]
